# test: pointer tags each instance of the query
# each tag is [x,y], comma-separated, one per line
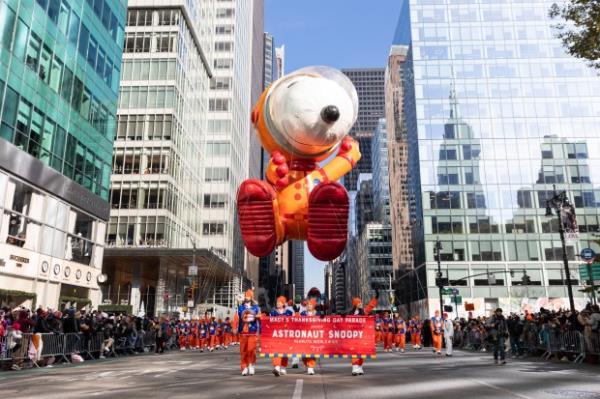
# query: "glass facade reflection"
[498,116]
[59,82]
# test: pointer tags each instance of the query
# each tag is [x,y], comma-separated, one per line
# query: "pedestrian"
[16,346]
[436,329]
[448,334]
[248,314]
[358,310]
[498,332]
[281,309]
[515,331]
[426,333]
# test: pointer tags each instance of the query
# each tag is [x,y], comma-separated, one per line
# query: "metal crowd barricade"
[53,346]
[569,342]
[149,340]
[73,344]
[593,345]
[573,343]
[4,353]
[95,344]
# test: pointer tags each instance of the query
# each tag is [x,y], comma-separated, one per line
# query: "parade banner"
[315,336]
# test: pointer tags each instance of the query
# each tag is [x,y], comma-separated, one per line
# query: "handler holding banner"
[329,336]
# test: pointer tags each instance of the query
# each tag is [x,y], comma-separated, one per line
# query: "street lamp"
[439,282]
[556,203]
[188,235]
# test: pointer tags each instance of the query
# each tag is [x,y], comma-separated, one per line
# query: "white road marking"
[487,384]
[298,389]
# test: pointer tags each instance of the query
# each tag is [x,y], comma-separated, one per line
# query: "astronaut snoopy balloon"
[302,121]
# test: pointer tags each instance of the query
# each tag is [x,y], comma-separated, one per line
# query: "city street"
[216,375]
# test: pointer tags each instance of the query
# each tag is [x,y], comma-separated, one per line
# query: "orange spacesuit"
[301,120]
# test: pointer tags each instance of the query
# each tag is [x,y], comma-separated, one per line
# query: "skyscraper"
[497,117]
[402,212]
[381,181]
[59,81]
[298,267]
[162,213]
[369,83]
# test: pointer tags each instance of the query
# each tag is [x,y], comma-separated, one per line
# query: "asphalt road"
[393,375]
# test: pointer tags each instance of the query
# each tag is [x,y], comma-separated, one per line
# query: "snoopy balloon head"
[302,121]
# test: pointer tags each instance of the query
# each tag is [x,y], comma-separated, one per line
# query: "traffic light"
[189,293]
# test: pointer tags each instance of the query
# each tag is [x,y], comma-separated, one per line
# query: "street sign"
[190,303]
[192,270]
[458,299]
[447,291]
[455,291]
[584,272]
[588,255]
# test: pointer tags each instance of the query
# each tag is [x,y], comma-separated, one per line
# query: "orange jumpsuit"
[193,338]
[309,362]
[248,316]
[387,330]
[415,332]
[366,311]
[437,333]
[282,361]
[400,338]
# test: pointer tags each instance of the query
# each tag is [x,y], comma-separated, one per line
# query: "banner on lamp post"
[569,222]
[314,336]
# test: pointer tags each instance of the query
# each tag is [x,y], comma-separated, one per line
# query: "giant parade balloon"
[302,121]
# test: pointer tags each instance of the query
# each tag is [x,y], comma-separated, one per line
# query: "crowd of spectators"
[116,330]
[524,330]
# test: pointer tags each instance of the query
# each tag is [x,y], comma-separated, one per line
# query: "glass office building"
[59,80]
[498,116]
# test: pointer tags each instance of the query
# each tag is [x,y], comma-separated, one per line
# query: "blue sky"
[337,33]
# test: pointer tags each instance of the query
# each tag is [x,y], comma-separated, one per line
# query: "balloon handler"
[302,121]
[357,309]
[248,314]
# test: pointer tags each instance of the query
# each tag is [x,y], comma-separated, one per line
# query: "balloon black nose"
[330,114]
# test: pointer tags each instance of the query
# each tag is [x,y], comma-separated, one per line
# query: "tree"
[579,28]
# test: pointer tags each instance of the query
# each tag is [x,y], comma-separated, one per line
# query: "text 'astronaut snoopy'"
[302,121]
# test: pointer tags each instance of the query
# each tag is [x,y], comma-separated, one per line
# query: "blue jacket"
[248,318]
[286,312]
[305,313]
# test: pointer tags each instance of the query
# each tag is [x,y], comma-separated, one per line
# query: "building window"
[218,149]
[225,12]
[215,200]
[213,228]
[223,63]
[216,174]
[219,104]
[220,83]
[223,46]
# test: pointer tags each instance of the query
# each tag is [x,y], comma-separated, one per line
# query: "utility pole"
[440,283]
[556,203]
